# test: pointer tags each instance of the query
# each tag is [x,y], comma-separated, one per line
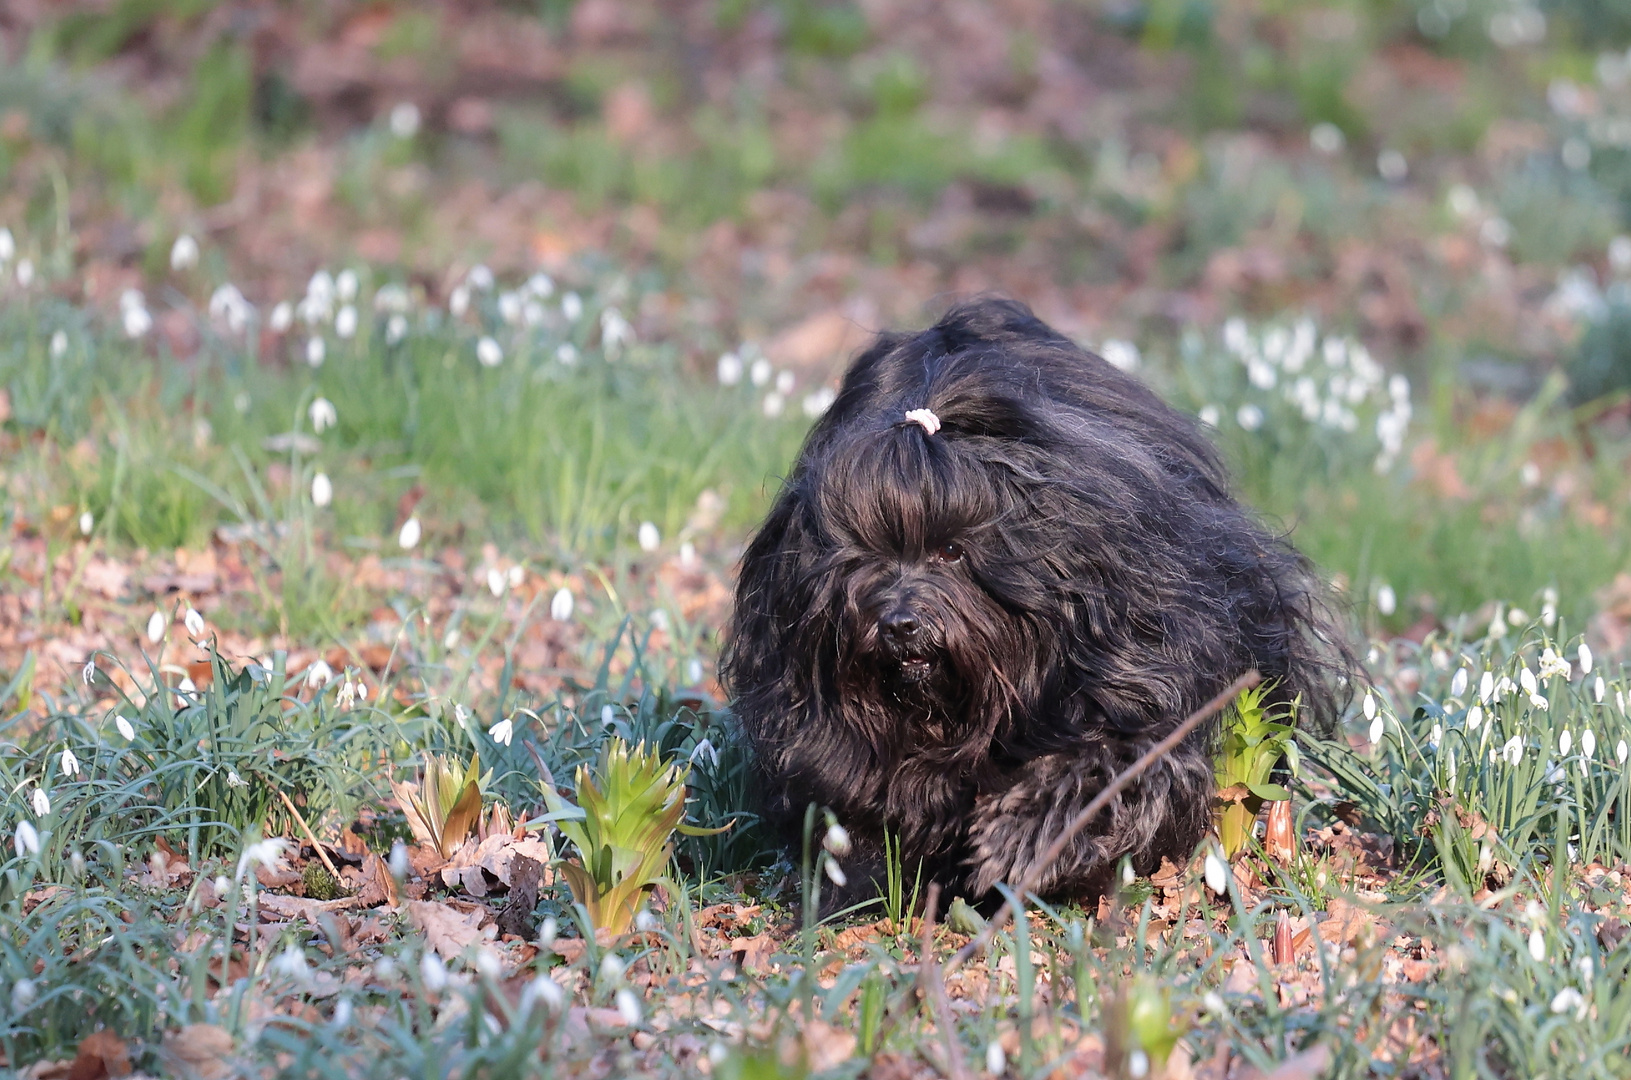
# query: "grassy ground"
[478,485]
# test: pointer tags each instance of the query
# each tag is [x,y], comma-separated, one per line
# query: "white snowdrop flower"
[234,780]
[1621,751]
[1512,750]
[1537,945]
[996,1059]
[408,537]
[729,369]
[289,964]
[1138,1064]
[1526,680]
[1209,415]
[489,352]
[1127,875]
[1436,735]
[509,306]
[649,537]
[572,306]
[1539,701]
[156,623]
[1213,1002]
[433,972]
[69,763]
[268,853]
[458,301]
[1565,743]
[567,354]
[137,322]
[759,373]
[628,1006]
[346,285]
[398,863]
[560,605]
[342,1013]
[25,272]
[645,921]
[1486,686]
[774,403]
[1585,658]
[516,575]
[320,287]
[125,728]
[41,802]
[784,383]
[488,965]
[316,351]
[1568,999]
[1369,707]
[704,750]
[8,246]
[659,620]
[1249,417]
[322,490]
[345,323]
[194,623]
[541,285]
[836,873]
[480,277]
[396,328]
[1216,872]
[837,840]
[496,582]
[319,675]
[502,732]
[615,330]
[404,120]
[1598,689]
[323,415]
[1327,138]
[87,522]
[59,344]
[544,990]
[818,402]
[1387,601]
[1475,717]
[693,671]
[184,253]
[688,555]
[1619,701]
[1588,743]
[27,842]
[608,716]
[1458,684]
[282,317]
[612,967]
[228,305]
[1121,354]
[547,931]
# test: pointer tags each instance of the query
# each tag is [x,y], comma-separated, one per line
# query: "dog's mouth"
[915,669]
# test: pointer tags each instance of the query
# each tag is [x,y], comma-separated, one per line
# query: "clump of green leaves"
[1256,736]
[623,829]
[446,805]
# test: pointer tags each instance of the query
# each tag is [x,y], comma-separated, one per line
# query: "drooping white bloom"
[541,285]
[1565,743]
[1537,945]
[125,728]
[615,331]
[69,763]
[509,306]
[836,873]
[502,732]
[346,284]
[572,306]
[1585,658]
[1387,601]
[608,715]
[41,802]
[516,575]
[545,990]
[1512,750]
[567,354]
[729,369]
[1377,728]
[289,964]
[1526,680]
[234,780]
[1216,872]
[837,840]
[323,414]
[1435,736]
[480,277]
[1588,743]
[458,301]
[27,842]
[547,931]
[496,582]
[1369,707]
[322,489]
[628,1006]
[408,537]
[1598,689]
[1209,415]
[137,322]
[1249,417]
[1486,686]
[1569,999]
[194,623]
[1213,1002]
[319,675]
[489,352]
[774,404]
[25,272]
[156,623]
[398,863]
[645,921]
[184,253]
[1621,751]
[404,120]
[759,373]
[1475,717]
[996,1059]
[693,672]
[819,401]
[560,605]
[433,972]
[705,751]
[316,351]
[650,539]
[345,323]
[784,383]
[8,246]
[282,317]
[1458,684]
[266,853]
[396,328]
[87,522]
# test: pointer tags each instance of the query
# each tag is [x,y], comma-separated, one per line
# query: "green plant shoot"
[447,804]
[1255,738]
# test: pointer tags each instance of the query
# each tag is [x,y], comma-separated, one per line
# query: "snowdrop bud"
[489,352]
[1537,945]
[184,253]
[155,627]
[1475,717]
[41,802]
[836,873]
[628,1006]
[1565,743]
[1377,728]
[547,931]
[27,842]
[1486,686]
[774,403]
[59,344]
[125,728]
[572,307]
[342,1013]
[345,323]
[1621,751]
[1213,1001]
[1526,679]
[645,921]
[1387,601]
[433,971]
[1249,417]
[996,1059]
[730,369]
[458,301]
[1458,685]
[137,321]
[693,671]
[1369,707]
[23,991]
[282,317]
[408,538]
[398,864]
[396,328]
[480,277]
[316,351]
[346,285]
[1588,743]
[1585,659]
[487,964]
[1216,872]
[836,840]
[496,583]
[322,490]
[560,606]
[759,373]
[404,120]
[87,522]
[649,537]
[194,623]
[1598,689]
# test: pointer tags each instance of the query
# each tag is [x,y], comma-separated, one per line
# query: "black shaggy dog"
[999,571]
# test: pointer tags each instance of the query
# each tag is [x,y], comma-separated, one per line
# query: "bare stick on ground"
[932,986]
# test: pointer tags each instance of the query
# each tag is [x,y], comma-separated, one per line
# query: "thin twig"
[1033,876]
[318,847]
[932,986]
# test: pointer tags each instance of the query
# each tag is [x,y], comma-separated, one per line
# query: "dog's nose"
[900,626]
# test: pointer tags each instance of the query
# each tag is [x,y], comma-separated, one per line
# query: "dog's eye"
[949,553]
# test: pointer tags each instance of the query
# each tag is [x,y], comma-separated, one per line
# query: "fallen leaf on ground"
[198,1050]
[446,929]
[101,1054]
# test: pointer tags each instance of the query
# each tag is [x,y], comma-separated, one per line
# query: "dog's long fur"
[961,636]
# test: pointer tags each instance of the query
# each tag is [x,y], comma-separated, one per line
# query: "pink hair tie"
[926,417]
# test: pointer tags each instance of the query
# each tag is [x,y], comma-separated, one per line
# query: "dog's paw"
[1003,845]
